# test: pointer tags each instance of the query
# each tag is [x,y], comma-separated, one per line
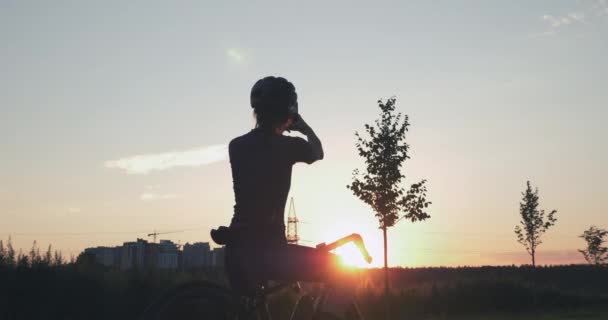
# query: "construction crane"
[155,233]
[292,224]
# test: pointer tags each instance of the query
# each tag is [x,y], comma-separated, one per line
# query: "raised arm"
[301,126]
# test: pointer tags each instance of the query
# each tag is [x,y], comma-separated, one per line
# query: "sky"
[115,116]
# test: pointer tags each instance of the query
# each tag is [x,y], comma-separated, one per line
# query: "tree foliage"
[595,253]
[385,150]
[33,259]
[534,222]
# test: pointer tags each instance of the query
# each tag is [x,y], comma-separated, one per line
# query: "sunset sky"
[115,117]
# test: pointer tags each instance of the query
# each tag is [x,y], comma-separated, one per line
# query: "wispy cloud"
[586,13]
[144,164]
[156,196]
[560,21]
[555,22]
[236,55]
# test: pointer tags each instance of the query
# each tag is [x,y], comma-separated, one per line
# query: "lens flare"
[351,256]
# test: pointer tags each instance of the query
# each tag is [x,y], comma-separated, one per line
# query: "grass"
[540,315]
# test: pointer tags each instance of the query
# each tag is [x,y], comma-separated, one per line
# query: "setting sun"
[351,256]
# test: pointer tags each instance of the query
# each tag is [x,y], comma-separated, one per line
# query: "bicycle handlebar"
[355,238]
[223,235]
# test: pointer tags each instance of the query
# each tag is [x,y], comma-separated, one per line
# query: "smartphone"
[293,109]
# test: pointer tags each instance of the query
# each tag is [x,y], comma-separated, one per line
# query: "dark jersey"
[261,172]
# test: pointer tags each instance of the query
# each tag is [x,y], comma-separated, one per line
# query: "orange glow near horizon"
[400,243]
[351,257]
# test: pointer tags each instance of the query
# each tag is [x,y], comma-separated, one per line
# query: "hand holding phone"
[298,124]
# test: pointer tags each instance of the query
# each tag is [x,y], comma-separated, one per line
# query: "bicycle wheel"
[198,300]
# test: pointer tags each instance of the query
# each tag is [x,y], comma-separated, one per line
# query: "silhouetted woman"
[262,162]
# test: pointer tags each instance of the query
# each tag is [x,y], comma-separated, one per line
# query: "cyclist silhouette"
[262,162]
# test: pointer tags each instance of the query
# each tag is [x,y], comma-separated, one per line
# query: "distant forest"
[45,286]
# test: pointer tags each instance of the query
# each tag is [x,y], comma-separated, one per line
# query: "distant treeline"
[9,257]
[43,286]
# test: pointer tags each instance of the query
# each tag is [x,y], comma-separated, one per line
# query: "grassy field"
[71,291]
[581,314]
[548,315]
[561,292]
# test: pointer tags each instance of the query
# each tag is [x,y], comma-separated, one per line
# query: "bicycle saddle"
[221,235]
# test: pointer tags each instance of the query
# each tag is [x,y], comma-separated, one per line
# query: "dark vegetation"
[489,290]
[595,253]
[36,287]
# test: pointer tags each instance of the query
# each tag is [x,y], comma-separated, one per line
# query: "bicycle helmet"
[273,100]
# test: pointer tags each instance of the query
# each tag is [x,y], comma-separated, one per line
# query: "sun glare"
[351,256]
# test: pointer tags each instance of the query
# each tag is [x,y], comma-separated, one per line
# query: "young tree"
[34,255]
[22,260]
[57,259]
[48,257]
[10,253]
[3,258]
[385,150]
[533,222]
[595,253]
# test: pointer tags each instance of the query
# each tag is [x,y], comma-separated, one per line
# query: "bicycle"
[206,300]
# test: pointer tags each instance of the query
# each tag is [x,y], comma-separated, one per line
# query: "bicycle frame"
[254,307]
[354,238]
[312,308]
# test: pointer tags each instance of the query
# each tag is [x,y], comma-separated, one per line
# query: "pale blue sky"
[497,93]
